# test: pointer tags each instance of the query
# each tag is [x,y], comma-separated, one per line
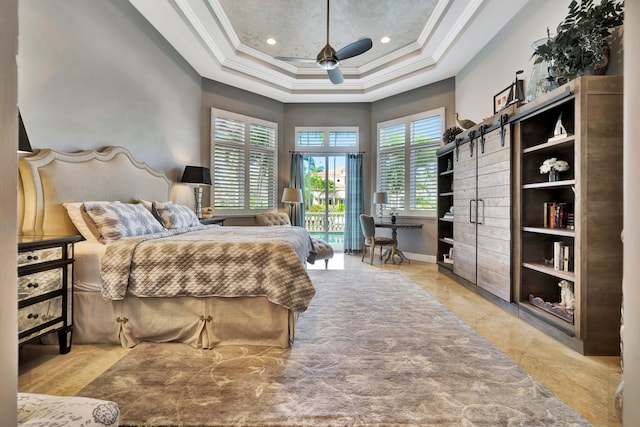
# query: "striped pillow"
[118,220]
[173,215]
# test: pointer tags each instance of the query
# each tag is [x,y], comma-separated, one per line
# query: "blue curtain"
[296,180]
[354,204]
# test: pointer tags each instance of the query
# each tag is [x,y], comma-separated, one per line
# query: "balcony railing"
[319,221]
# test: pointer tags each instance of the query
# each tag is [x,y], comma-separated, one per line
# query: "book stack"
[562,256]
[557,214]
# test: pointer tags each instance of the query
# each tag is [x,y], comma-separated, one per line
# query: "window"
[407,161]
[327,140]
[244,154]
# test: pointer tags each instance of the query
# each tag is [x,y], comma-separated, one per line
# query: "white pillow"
[118,220]
[173,215]
[82,220]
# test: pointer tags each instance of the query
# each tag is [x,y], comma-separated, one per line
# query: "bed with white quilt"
[147,270]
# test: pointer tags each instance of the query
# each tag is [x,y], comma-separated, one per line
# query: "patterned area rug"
[376,351]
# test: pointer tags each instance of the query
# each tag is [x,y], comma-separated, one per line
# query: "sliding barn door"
[494,214]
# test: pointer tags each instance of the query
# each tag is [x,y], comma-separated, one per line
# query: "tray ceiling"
[226,41]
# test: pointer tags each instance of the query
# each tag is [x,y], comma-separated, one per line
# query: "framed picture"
[501,99]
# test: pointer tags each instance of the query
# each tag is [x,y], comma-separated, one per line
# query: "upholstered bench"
[70,411]
[320,248]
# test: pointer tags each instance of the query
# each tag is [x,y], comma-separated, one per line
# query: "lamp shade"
[24,146]
[380,197]
[292,195]
[196,175]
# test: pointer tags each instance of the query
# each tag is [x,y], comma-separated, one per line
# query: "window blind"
[244,163]
[407,161]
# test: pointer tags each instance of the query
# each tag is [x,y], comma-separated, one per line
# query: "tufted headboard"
[50,178]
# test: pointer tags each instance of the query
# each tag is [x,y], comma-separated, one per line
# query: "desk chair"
[369,230]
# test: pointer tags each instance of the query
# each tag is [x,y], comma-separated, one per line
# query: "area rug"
[373,349]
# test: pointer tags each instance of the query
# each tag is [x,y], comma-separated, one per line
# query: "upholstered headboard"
[50,178]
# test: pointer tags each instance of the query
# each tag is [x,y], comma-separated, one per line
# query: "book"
[566,258]
[557,214]
[557,255]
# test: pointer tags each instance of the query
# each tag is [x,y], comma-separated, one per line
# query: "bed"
[203,285]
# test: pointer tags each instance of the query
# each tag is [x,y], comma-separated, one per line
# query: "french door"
[325,190]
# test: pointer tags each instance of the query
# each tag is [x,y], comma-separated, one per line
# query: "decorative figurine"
[567,298]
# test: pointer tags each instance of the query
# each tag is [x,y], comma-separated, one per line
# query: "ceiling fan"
[329,59]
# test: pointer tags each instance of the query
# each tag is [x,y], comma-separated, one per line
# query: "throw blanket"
[212,261]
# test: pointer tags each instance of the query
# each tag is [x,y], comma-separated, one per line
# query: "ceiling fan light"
[327,63]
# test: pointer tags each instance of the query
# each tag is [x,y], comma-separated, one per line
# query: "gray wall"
[224,97]
[8,212]
[95,73]
[441,94]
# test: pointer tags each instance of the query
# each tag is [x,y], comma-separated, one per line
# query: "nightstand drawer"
[39,255]
[39,283]
[37,314]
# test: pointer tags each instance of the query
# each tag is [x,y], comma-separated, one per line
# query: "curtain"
[296,180]
[354,204]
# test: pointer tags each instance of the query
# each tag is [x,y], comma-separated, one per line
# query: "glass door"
[324,189]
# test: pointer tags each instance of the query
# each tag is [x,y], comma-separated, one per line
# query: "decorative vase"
[540,81]
[393,218]
[553,175]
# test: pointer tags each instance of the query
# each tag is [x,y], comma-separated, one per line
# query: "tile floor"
[585,383]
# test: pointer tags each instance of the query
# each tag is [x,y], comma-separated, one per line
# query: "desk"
[394,235]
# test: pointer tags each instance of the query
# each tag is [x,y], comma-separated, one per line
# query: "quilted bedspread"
[212,261]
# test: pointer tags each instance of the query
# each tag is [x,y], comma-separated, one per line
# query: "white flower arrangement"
[554,164]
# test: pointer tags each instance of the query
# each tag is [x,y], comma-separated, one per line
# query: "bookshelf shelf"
[551,231]
[551,146]
[560,274]
[555,184]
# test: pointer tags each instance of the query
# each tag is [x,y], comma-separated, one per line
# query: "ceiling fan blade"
[293,59]
[335,75]
[354,49]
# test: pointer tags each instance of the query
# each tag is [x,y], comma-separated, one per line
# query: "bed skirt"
[198,322]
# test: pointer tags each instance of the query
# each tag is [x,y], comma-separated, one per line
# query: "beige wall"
[8,212]
[631,286]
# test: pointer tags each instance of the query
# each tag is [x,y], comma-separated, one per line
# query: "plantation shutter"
[407,161]
[244,163]
[391,163]
[424,143]
[262,168]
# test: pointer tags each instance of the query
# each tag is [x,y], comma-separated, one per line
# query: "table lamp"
[291,195]
[380,198]
[199,176]
[24,146]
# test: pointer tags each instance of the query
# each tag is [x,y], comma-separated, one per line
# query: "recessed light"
[385,39]
[271,41]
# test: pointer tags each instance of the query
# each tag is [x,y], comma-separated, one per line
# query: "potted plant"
[581,40]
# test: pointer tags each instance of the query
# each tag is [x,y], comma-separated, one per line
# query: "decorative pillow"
[118,220]
[173,215]
[82,221]
[37,410]
[146,203]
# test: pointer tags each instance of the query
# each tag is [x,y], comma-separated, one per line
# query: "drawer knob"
[32,316]
[32,257]
[32,285]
